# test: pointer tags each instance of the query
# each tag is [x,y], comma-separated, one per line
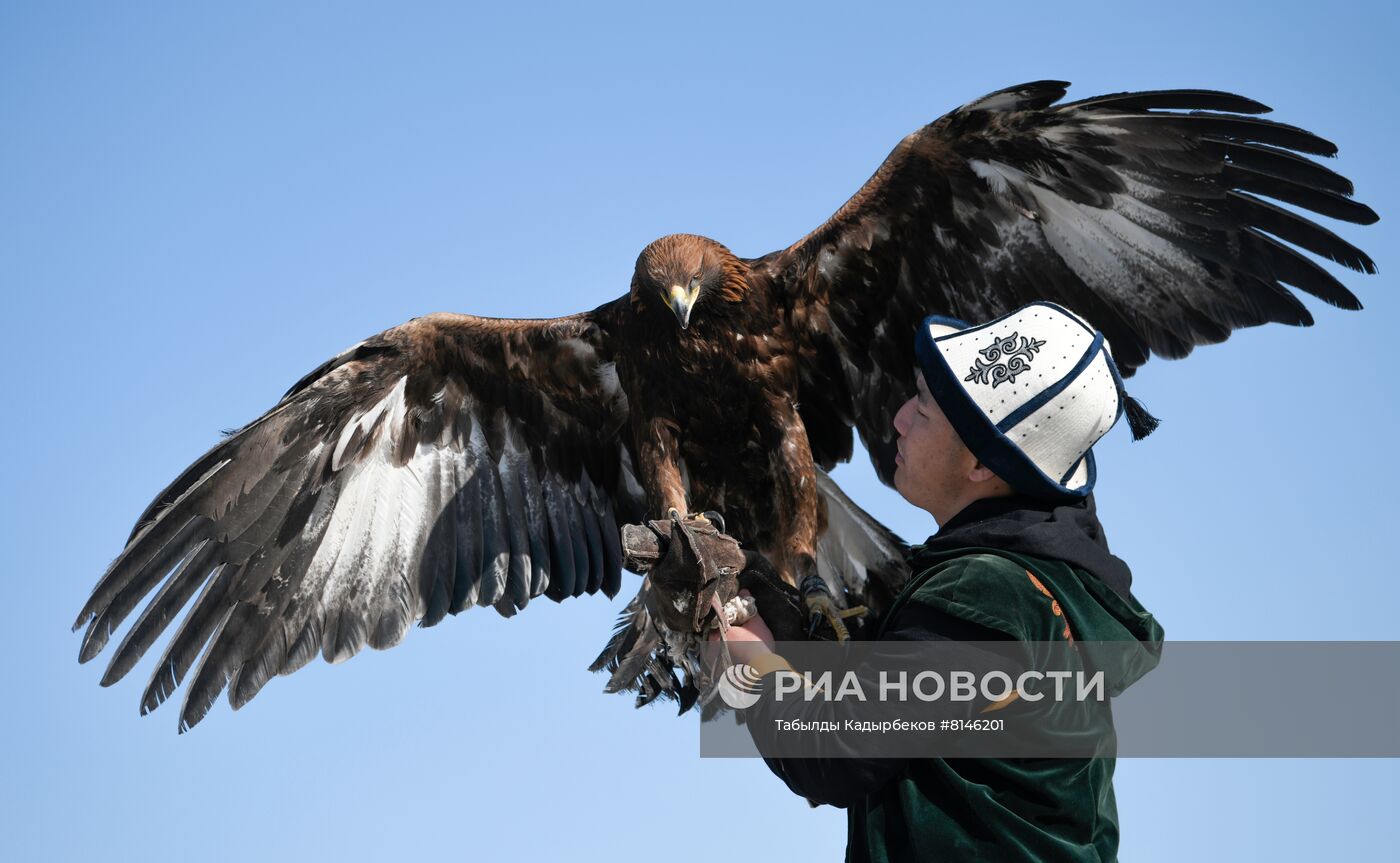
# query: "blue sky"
[197,205]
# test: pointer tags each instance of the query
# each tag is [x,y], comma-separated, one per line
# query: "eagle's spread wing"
[1144,219]
[450,462]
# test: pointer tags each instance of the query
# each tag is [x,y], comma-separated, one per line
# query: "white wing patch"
[376,518]
[853,543]
[380,521]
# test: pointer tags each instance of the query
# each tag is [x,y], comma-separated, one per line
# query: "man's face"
[931,470]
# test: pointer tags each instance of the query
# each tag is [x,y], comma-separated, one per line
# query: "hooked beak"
[681,301]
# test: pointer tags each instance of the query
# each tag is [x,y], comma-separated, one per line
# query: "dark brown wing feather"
[1147,222]
[450,462]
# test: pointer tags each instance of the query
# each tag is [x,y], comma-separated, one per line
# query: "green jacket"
[1041,809]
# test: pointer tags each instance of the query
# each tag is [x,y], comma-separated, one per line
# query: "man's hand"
[746,641]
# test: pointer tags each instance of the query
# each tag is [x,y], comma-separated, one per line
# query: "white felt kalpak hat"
[1029,393]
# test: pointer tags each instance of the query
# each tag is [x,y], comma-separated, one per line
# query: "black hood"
[1026,525]
[1102,606]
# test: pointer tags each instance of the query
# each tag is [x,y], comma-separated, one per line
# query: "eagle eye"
[695,281]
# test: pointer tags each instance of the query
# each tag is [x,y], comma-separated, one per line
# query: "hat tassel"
[1140,422]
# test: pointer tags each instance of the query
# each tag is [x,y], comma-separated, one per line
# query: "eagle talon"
[708,517]
[739,610]
[823,606]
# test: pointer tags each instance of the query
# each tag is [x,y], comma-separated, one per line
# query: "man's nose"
[900,424]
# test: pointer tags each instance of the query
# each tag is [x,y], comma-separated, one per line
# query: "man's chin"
[898,485]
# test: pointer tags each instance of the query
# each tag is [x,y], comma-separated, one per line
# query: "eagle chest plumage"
[716,427]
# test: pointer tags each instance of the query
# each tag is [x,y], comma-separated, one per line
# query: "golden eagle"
[458,461]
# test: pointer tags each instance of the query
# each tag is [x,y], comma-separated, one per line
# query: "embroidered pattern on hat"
[992,369]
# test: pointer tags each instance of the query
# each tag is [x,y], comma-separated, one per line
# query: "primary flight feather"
[457,461]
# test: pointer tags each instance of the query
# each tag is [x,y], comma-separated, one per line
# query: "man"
[996,446]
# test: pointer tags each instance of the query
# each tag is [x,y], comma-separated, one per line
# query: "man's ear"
[980,473]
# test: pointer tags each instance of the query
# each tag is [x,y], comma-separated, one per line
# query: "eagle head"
[681,270]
